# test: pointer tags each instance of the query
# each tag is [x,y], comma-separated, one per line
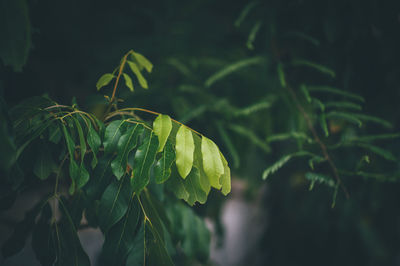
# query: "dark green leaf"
[126,144]
[114,203]
[162,168]
[94,142]
[112,135]
[143,160]
[123,237]
[44,164]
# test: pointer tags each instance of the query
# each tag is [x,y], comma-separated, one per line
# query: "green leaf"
[193,187]
[343,104]
[184,151]
[138,74]
[282,161]
[291,135]
[142,162]
[44,164]
[162,168]
[246,10]
[82,142]
[112,135]
[320,68]
[253,34]
[104,80]
[236,66]
[303,36]
[304,90]
[191,231]
[246,111]
[123,237]
[225,179]
[175,183]
[346,116]
[101,178]
[126,144]
[128,81]
[143,61]
[320,178]
[324,125]
[94,141]
[162,127]
[137,254]
[43,238]
[379,151]
[114,203]
[281,75]
[212,163]
[374,119]
[336,91]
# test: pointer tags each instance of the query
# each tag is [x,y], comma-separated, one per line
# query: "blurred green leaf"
[162,127]
[184,151]
[212,163]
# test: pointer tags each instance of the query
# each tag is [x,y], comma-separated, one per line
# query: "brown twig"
[317,139]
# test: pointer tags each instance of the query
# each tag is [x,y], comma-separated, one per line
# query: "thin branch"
[317,139]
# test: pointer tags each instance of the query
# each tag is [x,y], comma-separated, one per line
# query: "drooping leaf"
[388,155]
[236,66]
[69,250]
[126,144]
[282,161]
[128,81]
[143,61]
[162,168]
[191,231]
[320,178]
[137,254]
[104,80]
[253,34]
[114,203]
[193,187]
[343,104]
[225,179]
[175,183]
[123,237]
[286,136]
[212,162]
[373,119]
[135,69]
[82,142]
[246,10]
[142,162]
[162,127]
[323,123]
[44,164]
[321,68]
[94,141]
[335,91]
[102,176]
[112,135]
[184,151]
[304,90]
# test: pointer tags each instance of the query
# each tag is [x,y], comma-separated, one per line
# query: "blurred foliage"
[263,79]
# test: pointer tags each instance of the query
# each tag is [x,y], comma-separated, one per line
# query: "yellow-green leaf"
[212,162]
[225,179]
[135,69]
[184,151]
[162,126]
[143,61]
[104,80]
[128,81]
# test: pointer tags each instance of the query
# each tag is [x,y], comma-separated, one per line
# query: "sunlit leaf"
[143,61]
[162,127]
[104,80]
[212,163]
[225,179]
[184,151]
[128,81]
[138,74]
